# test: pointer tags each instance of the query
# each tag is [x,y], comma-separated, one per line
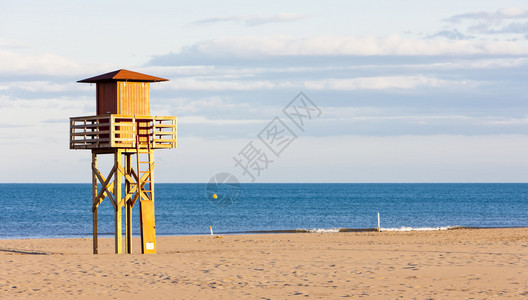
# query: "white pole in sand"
[211,228]
[379,228]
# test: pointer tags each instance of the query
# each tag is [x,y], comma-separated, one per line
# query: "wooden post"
[94,207]
[379,227]
[118,203]
[128,212]
[152,169]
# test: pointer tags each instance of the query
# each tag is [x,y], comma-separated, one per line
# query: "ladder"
[145,166]
[145,186]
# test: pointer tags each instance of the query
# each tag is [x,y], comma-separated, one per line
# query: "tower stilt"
[128,202]
[118,202]
[94,206]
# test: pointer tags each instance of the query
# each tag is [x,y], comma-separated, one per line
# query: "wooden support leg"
[128,204]
[129,228]
[118,228]
[94,199]
[118,205]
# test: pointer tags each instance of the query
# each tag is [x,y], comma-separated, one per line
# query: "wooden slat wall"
[134,98]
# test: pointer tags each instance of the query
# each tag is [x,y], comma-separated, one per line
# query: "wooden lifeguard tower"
[123,127]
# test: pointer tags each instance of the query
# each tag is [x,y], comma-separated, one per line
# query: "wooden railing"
[122,131]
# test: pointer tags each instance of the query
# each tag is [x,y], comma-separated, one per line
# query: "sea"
[64,210]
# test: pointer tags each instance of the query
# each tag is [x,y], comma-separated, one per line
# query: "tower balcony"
[122,131]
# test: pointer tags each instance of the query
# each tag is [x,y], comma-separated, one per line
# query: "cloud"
[343,84]
[383,82]
[37,86]
[43,89]
[451,34]
[504,21]
[514,27]
[513,12]
[14,44]
[45,63]
[189,106]
[252,20]
[284,49]
[208,121]
[338,63]
[21,112]
[372,116]
[343,65]
[511,121]
[20,60]
[225,84]
[487,63]
[498,15]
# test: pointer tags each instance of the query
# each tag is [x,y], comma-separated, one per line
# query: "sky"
[392,91]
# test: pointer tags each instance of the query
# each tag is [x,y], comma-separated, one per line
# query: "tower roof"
[123,74]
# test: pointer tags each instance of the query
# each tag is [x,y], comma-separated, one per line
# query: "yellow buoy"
[215,196]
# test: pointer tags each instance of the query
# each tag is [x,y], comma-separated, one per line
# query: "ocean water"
[64,210]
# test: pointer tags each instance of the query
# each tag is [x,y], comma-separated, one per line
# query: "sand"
[454,264]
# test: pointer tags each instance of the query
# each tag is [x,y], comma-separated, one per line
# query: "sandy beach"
[455,264]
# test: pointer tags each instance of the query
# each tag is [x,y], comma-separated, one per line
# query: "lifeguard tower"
[123,127]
